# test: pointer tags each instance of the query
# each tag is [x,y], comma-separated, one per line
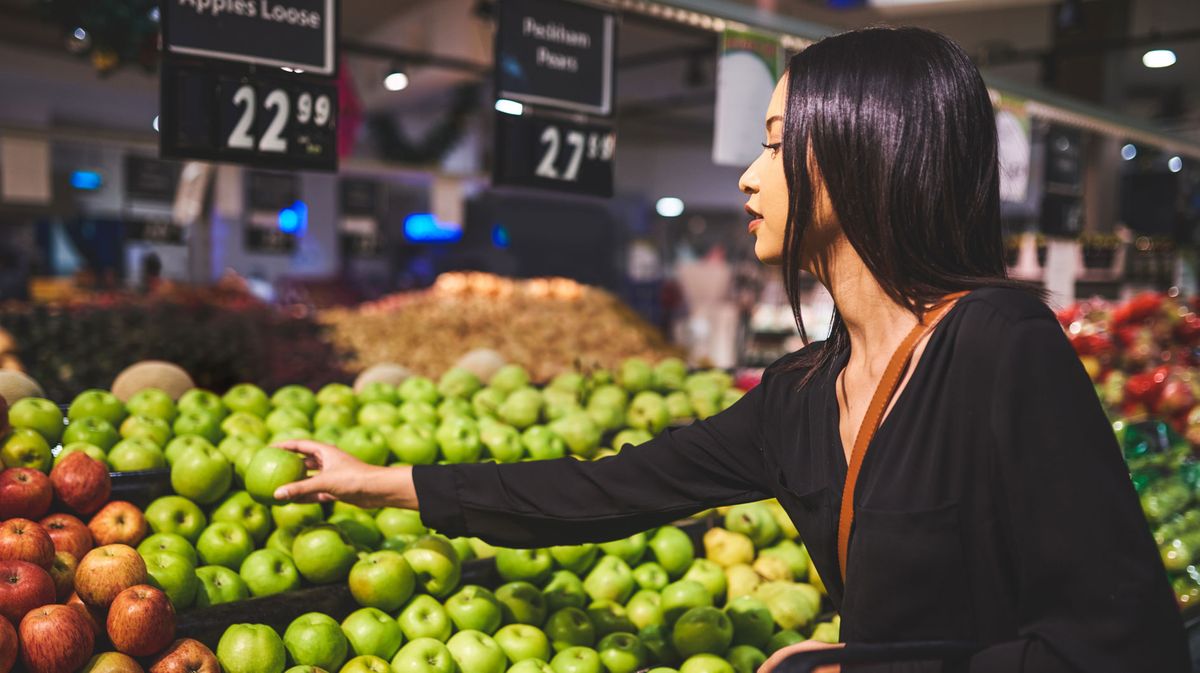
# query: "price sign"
[155,231]
[269,240]
[358,228]
[258,119]
[297,34]
[556,154]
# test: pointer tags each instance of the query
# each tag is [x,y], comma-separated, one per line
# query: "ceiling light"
[509,107]
[1129,151]
[396,80]
[155,122]
[669,206]
[1158,58]
[1175,164]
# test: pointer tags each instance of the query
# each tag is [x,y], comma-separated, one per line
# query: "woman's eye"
[774,147]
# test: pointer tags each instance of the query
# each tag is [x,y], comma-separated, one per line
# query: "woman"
[993,505]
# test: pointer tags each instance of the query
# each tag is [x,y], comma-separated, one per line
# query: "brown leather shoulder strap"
[874,416]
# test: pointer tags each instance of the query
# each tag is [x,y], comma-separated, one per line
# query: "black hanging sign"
[554,153]
[296,34]
[358,227]
[555,53]
[150,179]
[156,230]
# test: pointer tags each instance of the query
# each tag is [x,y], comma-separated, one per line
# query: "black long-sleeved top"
[993,506]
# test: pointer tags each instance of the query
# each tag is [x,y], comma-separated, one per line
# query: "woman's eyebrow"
[772,120]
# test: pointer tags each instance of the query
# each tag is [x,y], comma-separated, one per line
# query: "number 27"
[552,139]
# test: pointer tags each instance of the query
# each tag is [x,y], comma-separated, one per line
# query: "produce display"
[547,325]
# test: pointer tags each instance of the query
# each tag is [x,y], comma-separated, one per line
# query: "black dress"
[994,505]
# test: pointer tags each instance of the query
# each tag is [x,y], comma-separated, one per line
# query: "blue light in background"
[89,180]
[294,218]
[500,235]
[425,228]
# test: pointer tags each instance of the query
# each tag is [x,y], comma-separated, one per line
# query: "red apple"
[24,493]
[24,540]
[23,587]
[141,621]
[186,656]
[107,571]
[81,482]
[68,534]
[95,616]
[113,662]
[119,522]
[55,639]
[8,646]
[62,571]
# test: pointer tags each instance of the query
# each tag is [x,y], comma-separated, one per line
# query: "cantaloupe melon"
[15,385]
[482,362]
[166,376]
[388,372]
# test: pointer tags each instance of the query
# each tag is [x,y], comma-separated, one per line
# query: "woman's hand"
[806,646]
[341,476]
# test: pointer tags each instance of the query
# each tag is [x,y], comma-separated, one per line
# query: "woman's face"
[766,185]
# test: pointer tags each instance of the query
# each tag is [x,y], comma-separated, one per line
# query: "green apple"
[175,514]
[413,444]
[199,423]
[503,442]
[702,630]
[629,549]
[648,411]
[522,603]
[727,548]
[365,443]
[531,565]
[359,525]
[198,399]
[337,395]
[579,432]
[474,607]
[336,416]
[288,435]
[711,575]
[635,375]
[424,655]
[607,419]
[543,444]
[706,663]
[572,382]
[486,403]
[152,402]
[608,395]
[522,641]
[242,423]
[396,521]
[508,378]
[270,468]
[26,448]
[295,397]
[521,408]
[673,550]
[99,404]
[558,403]
[224,543]
[177,446]
[670,374]
[419,413]
[268,572]
[218,585]
[282,540]
[201,474]
[297,514]
[828,632]
[577,660]
[378,415]
[565,590]
[458,382]
[609,617]
[251,648]
[651,575]
[611,579]
[425,617]
[153,429]
[794,555]
[569,627]
[745,658]
[93,430]
[366,663]
[240,508]
[792,606]
[630,437]
[418,389]
[175,575]
[453,406]
[458,438]
[316,639]
[477,652]
[679,405]
[462,547]
[577,558]
[247,398]
[287,418]
[91,450]
[398,542]
[330,434]
[681,596]
[378,391]
[382,580]
[481,549]
[324,554]
[437,565]
[752,621]
[371,631]
[170,543]
[531,666]
[136,454]
[782,639]
[622,653]
[706,401]
[645,608]
[755,521]
[656,638]
[240,448]
[730,398]
[305,669]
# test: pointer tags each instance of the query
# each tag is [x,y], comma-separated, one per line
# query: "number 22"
[272,140]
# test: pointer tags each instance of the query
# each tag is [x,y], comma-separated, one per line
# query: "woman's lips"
[754,224]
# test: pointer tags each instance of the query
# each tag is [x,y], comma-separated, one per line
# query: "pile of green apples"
[618,607]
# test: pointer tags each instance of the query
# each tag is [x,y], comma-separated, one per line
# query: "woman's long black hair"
[902,130]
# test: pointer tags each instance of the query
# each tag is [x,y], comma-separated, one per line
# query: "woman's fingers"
[306,447]
[311,487]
